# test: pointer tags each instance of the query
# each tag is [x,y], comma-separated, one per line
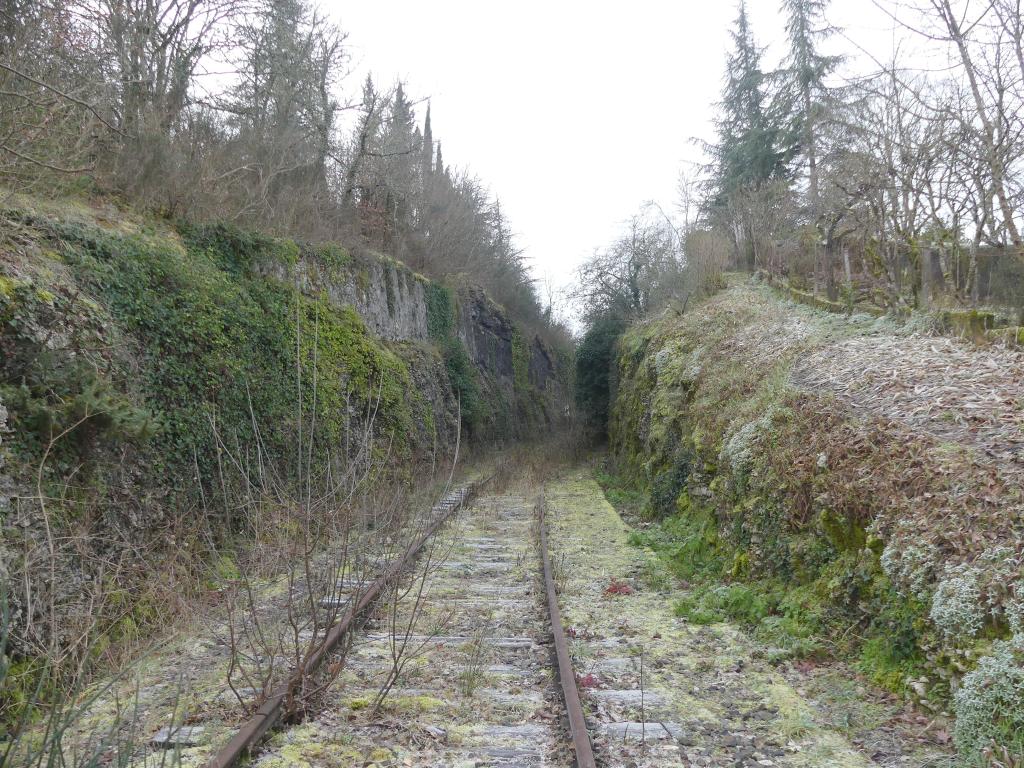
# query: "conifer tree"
[365,142]
[401,151]
[806,70]
[749,152]
[427,151]
[439,168]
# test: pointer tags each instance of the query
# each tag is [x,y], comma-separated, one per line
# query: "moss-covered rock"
[795,516]
[157,366]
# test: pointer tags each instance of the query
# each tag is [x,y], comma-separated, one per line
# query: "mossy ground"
[714,673]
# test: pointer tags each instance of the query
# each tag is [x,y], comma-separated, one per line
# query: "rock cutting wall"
[134,340]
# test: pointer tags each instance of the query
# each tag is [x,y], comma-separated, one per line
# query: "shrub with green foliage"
[594,358]
[989,704]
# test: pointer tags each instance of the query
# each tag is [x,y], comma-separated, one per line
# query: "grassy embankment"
[826,531]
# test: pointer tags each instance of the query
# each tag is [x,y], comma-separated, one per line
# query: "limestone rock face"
[516,367]
[388,296]
[487,333]
[392,302]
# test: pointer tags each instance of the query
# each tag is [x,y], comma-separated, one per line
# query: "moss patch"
[681,658]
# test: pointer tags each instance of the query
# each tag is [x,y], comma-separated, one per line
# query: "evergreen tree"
[749,151]
[401,151]
[750,154]
[283,108]
[439,170]
[806,71]
[365,145]
[427,151]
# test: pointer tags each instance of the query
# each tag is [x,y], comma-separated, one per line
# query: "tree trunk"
[816,282]
[925,278]
[995,160]
[972,274]
[751,253]
[936,278]
[831,288]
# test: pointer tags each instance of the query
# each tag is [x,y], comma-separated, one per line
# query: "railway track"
[504,653]
[484,671]
[495,652]
[268,715]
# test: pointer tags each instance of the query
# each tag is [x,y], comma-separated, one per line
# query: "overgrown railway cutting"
[456,655]
[476,664]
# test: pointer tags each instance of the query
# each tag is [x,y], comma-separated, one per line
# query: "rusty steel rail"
[268,715]
[566,673]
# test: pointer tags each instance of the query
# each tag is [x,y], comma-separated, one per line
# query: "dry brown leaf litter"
[951,390]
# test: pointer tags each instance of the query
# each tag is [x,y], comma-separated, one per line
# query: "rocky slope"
[842,486]
[145,365]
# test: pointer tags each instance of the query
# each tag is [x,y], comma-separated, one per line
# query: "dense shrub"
[990,703]
[594,358]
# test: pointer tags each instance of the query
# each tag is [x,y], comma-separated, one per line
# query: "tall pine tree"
[806,71]
[750,148]
[750,152]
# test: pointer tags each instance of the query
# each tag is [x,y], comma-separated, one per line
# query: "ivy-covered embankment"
[841,485]
[143,361]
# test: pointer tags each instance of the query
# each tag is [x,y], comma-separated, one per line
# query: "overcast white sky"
[573,113]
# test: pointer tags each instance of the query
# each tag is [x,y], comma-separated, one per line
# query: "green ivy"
[440,311]
[214,341]
[462,375]
[520,361]
[351,368]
